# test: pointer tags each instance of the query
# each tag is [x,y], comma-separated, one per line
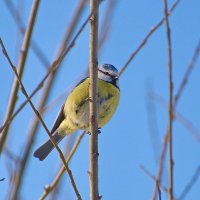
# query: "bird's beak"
[116,77]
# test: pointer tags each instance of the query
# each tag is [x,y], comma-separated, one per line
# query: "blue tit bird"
[74,114]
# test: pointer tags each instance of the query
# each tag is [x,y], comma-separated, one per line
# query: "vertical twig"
[93,90]
[170,108]
[20,69]
[176,100]
[152,122]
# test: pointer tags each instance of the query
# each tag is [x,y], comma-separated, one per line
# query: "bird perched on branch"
[74,114]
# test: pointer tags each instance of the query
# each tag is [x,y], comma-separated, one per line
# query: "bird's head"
[108,73]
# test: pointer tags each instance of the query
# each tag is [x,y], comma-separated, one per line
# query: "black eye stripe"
[106,73]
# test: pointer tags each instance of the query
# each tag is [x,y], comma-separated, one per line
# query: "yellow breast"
[76,108]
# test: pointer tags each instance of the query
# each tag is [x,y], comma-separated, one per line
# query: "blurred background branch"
[175,103]
[33,127]
[20,69]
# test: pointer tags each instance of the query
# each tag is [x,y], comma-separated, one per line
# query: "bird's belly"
[106,109]
[76,109]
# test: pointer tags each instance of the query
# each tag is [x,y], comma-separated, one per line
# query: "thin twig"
[159,192]
[51,70]
[187,73]
[35,122]
[152,121]
[41,120]
[50,187]
[176,100]
[102,38]
[148,173]
[68,147]
[170,107]
[17,19]
[20,69]
[161,163]
[93,90]
[56,101]
[105,27]
[144,41]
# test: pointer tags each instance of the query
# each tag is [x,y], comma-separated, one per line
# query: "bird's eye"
[106,73]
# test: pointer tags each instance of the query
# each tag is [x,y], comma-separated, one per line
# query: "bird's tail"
[43,151]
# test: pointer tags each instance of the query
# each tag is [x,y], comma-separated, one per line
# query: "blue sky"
[125,143]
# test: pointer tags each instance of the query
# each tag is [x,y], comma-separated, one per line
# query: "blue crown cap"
[108,67]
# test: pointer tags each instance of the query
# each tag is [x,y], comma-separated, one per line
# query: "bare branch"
[20,69]
[104,29]
[170,107]
[93,90]
[16,17]
[152,121]
[144,41]
[153,178]
[35,122]
[62,170]
[187,73]
[176,100]
[51,70]
[41,120]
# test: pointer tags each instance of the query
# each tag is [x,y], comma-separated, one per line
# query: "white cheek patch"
[104,77]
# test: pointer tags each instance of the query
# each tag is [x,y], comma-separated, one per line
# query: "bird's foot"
[98,132]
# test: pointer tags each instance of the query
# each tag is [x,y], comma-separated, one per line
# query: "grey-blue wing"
[59,120]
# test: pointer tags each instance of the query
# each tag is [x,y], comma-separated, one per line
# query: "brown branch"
[50,187]
[51,70]
[146,38]
[20,69]
[35,122]
[41,120]
[188,72]
[93,90]
[102,39]
[153,178]
[176,100]
[68,147]
[105,27]
[170,106]
[161,163]
[17,19]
